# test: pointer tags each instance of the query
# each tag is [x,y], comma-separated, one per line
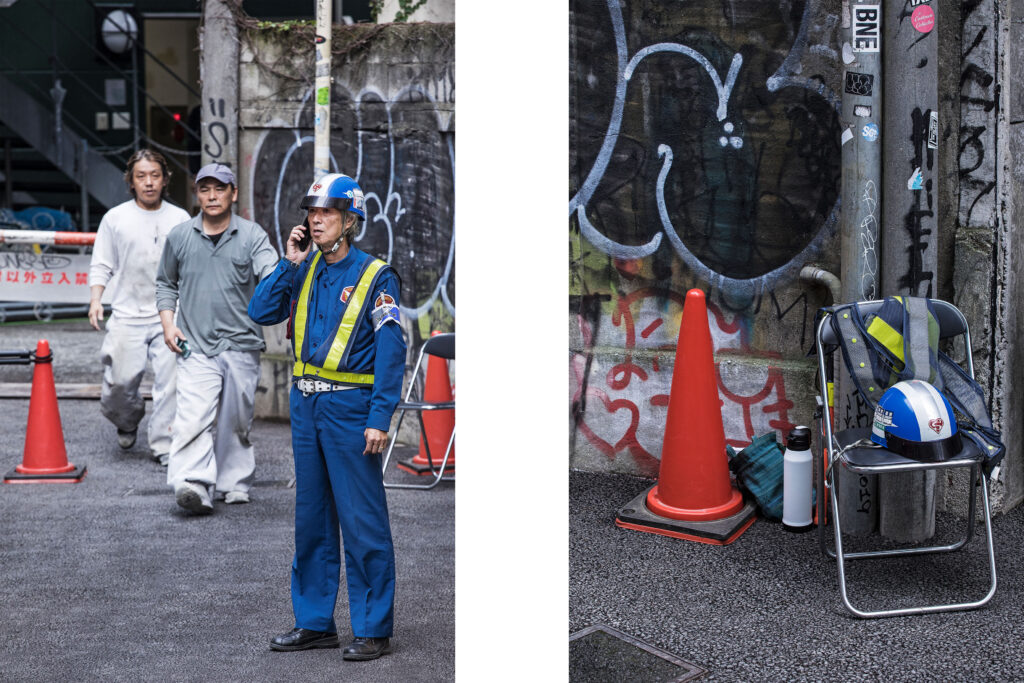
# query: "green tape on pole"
[323,96]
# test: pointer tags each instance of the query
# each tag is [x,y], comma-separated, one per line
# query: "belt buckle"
[305,386]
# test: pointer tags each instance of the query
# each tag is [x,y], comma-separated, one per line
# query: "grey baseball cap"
[218,171]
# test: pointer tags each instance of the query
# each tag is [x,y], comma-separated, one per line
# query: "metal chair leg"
[874,614]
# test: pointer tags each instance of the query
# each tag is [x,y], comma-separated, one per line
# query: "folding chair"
[442,346]
[848,449]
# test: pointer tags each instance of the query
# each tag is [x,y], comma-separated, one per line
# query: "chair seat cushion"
[866,457]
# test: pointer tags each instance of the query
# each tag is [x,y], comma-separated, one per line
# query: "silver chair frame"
[952,323]
[443,346]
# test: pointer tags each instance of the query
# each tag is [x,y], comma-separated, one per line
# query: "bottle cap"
[799,439]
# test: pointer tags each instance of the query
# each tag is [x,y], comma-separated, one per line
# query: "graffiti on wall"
[404,161]
[978,93]
[623,407]
[710,137]
[705,153]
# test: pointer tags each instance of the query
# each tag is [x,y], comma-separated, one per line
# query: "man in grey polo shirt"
[209,270]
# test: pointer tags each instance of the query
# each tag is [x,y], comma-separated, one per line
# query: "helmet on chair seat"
[916,421]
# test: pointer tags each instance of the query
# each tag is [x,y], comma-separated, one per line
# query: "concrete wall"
[704,153]
[393,129]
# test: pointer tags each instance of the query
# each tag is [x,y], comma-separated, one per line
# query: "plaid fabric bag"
[758,469]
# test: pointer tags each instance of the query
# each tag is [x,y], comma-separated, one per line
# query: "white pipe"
[322,91]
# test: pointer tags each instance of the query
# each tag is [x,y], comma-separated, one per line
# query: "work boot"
[126,439]
[303,639]
[362,649]
[236,497]
[193,497]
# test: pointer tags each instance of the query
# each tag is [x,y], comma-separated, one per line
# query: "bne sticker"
[867,28]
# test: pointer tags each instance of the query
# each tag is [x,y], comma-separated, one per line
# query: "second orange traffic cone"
[694,497]
[438,424]
[45,460]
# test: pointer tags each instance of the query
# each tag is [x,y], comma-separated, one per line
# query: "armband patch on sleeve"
[384,310]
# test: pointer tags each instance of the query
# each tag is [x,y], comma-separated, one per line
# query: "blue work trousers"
[335,483]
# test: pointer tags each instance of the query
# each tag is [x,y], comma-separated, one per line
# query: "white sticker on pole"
[49,278]
[867,28]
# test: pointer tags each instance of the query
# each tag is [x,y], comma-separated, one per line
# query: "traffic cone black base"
[635,515]
[409,465]
[72,477]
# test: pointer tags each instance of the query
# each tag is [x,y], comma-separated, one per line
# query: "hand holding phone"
[303,243]
[299,239]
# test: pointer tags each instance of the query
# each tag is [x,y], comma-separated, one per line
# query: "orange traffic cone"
[45,460]
[438,424]
[694,497]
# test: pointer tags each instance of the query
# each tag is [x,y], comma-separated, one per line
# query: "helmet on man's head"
[336,191]
[916,421]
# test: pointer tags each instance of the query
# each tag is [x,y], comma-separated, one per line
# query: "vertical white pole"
[322,94]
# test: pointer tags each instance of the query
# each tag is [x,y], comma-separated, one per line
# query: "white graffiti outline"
[783,77]
[869,238]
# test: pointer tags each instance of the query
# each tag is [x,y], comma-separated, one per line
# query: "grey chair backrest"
[951,321]
[442,345]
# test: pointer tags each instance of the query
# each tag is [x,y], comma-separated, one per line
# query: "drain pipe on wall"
[815,275]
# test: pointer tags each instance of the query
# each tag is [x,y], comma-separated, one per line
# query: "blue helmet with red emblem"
[915,420]
[336,191]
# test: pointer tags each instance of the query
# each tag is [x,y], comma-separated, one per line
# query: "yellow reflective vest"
[331,366]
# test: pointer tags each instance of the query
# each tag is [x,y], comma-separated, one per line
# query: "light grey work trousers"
[125,350]
[213,420]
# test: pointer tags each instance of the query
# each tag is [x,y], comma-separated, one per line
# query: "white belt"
[315,386]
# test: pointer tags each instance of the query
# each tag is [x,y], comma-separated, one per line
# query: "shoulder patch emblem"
[384,311]
[346,293]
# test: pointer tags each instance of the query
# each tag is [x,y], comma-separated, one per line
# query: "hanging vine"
[349,43]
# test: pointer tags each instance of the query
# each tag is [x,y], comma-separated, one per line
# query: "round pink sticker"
[923,18]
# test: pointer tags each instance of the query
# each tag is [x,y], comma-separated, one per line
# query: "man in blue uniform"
[349,365]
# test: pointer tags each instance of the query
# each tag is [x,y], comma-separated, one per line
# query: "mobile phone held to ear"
[303,243]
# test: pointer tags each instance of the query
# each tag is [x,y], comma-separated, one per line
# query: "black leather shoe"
[366,648]
[303,639]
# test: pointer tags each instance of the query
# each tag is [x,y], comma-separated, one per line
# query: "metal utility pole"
[861,221]
[910,242]
[322,85]
[218,75]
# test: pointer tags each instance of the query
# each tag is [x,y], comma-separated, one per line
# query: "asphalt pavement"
[767,607]
[108,579]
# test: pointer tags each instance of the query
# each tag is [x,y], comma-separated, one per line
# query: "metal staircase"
[66,150]
[51,151]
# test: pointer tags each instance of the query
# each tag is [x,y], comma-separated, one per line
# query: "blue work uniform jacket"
[378,346]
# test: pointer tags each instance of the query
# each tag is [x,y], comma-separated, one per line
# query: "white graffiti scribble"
[785,76]
[868,239]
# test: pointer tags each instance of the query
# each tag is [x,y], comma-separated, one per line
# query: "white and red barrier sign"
[45,277]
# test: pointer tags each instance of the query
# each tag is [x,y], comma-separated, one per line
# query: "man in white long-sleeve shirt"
[125,256]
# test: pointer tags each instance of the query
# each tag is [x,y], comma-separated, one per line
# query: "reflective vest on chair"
[900,342]
[331,362]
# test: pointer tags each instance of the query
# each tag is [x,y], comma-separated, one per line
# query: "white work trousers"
[124,353]
[212,423]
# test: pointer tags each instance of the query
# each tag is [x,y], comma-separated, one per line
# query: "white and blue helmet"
[336,191]
[916,421]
